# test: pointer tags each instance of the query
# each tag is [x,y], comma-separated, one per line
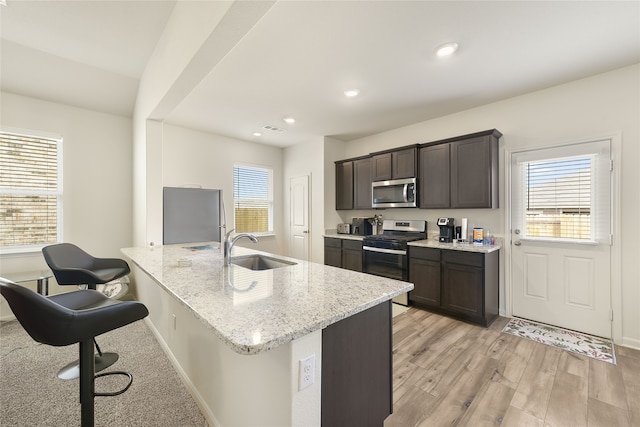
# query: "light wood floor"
[450,373]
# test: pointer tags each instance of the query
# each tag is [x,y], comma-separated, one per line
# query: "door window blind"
[30,191]
[558,198]
[253,199]
[564,193]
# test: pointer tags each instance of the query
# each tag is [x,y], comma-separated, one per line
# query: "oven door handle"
[384,251]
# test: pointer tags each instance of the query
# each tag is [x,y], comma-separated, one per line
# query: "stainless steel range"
[386,254]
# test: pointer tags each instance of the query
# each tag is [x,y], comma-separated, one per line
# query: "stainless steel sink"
[260,262]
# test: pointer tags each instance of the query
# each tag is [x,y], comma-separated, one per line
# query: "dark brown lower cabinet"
[357,369]
[424,272]
[352,255]
[463,293]
[461,284]
[333,252]
[343,253]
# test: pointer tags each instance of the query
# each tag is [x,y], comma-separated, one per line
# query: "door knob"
[517,231]
[518,243]
[306,231]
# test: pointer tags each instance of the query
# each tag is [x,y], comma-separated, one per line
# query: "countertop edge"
[465,247]
[336,235]
[427,243]
[247,349]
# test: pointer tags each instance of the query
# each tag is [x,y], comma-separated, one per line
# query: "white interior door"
[561,236]
[299,226]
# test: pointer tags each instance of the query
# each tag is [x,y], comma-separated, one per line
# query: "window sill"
[264,234]
[21,251]
[560,241]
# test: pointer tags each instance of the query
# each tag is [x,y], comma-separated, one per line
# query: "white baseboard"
[631,343]
[211,419]
[7,318]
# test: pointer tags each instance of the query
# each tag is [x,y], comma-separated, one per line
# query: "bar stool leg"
[87,387]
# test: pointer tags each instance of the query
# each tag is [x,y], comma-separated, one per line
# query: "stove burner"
[396,234]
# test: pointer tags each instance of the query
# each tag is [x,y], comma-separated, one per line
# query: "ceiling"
[301,55]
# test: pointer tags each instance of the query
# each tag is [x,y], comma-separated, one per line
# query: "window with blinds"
[30,191]
[253,199]
[558,198]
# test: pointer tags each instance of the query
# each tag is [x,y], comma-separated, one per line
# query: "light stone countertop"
[334,234]
[255,311]
[427,243]
[467,247]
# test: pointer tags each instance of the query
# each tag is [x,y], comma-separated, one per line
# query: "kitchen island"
[237,336]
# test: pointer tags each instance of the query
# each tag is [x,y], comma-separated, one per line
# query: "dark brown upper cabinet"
[435,167]
[362,183]
[474,173]
[396,164]
[353,183]
[460,172]
[344,185]
[381,167]
[404,163]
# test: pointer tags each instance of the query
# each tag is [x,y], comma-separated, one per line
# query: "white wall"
[233,389]
[97,176]
[187,29]
[197,36]
[306,159]
[333,150]
[314,158]
[194,157]
[602,105]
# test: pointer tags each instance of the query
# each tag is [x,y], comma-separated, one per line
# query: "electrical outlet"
[307,372]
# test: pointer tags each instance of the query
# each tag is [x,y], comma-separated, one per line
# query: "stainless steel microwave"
[397,193]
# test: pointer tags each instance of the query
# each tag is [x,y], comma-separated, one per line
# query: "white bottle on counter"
[463,229]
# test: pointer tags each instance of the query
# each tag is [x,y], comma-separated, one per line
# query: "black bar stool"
[73,266]
[74,317]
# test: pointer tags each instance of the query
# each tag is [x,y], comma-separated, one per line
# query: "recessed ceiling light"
[351,93]
[446,49]
[289,120]
[257,134]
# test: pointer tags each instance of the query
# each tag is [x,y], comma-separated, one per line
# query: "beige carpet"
[31,394]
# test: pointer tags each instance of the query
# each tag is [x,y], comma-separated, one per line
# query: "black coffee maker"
[447,229]
[361,226]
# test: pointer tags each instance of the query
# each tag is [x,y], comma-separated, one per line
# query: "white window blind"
[558,198]
[253,199]
[30,191]
[563,193]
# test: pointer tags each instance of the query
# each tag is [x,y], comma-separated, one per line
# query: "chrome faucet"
[229,242]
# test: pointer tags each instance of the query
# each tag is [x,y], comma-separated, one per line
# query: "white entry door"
[299,227]
[561,236]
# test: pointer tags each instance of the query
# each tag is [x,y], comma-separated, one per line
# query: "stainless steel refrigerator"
[191,215]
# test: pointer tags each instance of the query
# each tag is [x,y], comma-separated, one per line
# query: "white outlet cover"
[306,372]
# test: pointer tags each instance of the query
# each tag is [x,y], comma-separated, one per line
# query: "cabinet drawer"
[465,258]
[352,244]
[332,242]
[424,253]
